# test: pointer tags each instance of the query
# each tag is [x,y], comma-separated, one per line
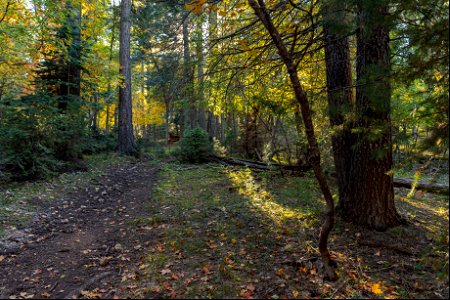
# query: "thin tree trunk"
[2,87]
[111,46]
[200,74]
[167,102]
[107,117]
[212,25]
[126,138]
[189,111]
[264,16]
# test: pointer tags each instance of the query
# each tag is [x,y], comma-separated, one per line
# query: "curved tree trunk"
[301,97]
[126,137]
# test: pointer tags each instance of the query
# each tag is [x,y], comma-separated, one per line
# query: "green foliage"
[98,143]
[33,136]
[195,146]
[26,139]
[421,67]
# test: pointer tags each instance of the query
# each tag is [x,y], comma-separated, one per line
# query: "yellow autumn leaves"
[195,6]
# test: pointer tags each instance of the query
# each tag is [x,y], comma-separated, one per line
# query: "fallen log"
[260,165]
[428,187]
[398,182]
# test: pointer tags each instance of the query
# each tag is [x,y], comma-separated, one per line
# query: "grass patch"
[229,232]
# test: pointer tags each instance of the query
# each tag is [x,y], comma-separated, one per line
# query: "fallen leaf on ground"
[166,271]
[376,289]
[280,272]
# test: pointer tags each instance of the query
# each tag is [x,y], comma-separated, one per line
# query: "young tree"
[264,16]
[60,75]
[126,138]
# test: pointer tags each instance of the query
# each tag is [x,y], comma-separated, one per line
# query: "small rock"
[118,247]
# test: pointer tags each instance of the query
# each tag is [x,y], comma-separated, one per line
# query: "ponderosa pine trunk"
[264,16]
[370,198]
[340,91]
[126,137]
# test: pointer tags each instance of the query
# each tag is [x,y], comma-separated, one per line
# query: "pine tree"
[126,137]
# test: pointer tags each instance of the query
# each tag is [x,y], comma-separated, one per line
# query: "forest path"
[89,240]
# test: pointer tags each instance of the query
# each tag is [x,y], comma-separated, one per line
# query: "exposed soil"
[85,241]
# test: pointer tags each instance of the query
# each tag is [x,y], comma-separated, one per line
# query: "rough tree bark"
[300,95]
[369,199]
[340,91]
[126,137]
[211,124]
[189,111]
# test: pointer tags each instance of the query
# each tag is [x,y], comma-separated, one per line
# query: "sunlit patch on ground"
[263,200]
[235,233]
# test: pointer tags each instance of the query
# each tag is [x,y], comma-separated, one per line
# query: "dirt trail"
[85,241]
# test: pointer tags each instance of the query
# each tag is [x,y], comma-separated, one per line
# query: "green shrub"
[195,146]
[35,137]
[98,143]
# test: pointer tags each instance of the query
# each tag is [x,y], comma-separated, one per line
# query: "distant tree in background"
[126,135]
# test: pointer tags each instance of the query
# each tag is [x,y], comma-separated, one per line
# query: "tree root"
[393,247]
[75,293]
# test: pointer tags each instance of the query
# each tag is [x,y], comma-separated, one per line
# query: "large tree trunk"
[340,92]
[126,138]
[370,199]
[300,95]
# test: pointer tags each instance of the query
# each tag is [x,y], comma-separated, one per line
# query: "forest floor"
[207,231]
[83,239]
